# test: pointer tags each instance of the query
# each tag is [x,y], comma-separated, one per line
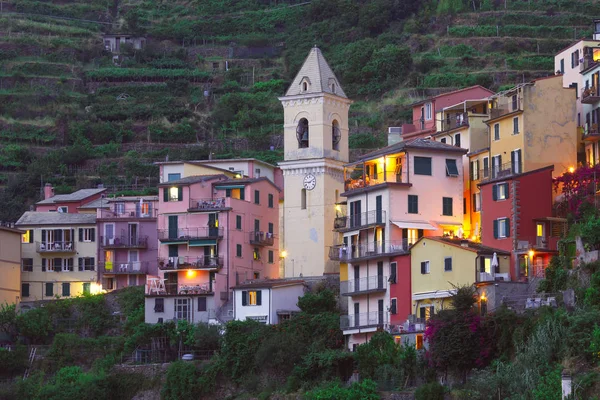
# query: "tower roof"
[318,75]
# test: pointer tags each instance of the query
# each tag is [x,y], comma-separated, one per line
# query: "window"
[271,197]
[451,168]
[419,341]
[336,135]
[496,131]
[66,289]
[303,199]
[539,229]
[88,263]
[476,202]
[457,140]
[515,161]
[86,288]
[447,206]
[25,290]
[475,170]
[62,209]
[27,264]
[173,177]
[424,267]
[413,204]
[182,309]
[496,165]
[515,125]
[422,165]
[394,306]
[256,254]
[270,260]
[238,250]
[256,197]
[120,208]
[501,228]
[428,109]
[159,305]
[412,235]
[173,194]
[302,133]
[252,297]
[271,227]
[27,237]
[238,222]
[500,191]
[393,272]
[562,66]
[464,205]
[49,289]
[304,86]
[443,140]
[87,234]
[448,264]
[202,304]
[515,102]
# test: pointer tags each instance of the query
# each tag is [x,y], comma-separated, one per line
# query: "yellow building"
[10,265]
[438,263]
[533,125]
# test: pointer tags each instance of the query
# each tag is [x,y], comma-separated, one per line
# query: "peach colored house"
[395,195]
[214,232]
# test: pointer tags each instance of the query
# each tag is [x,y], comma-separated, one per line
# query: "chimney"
[464,243]
[48,191]
[394,135]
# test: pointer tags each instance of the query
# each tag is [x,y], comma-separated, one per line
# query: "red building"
[400,289]
[516,216]
[424,124]
[67,203]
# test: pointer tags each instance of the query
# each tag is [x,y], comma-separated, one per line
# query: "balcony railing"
[590,95]
[56,247]
[372,319]
[483,276]
[124,242]
[259,238]
[537,243]
[190,262]
[506,108]
[158,287]
[454,121]
[117,267]
[369,284]
[369,250]
[207,204]
[129,212]
[357,221]
[503,171]
[589,130]
[190,233]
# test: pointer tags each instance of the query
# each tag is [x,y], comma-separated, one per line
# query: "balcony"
[360,286]
[56,247]
[259,238]
[540,243]
[367,251]
[386,169]
[499,172]
[590,95]
[491,276]
[190,262]
[124,242]
[510,106]
[589,132]
[160,287]
[373,319]
[360,221]
[186,234]
[454,121]
[130,211]
[117,268]
[200,205]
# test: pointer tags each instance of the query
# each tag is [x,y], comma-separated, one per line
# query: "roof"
[94,204]
[575,43]
[318,74]
[268,283]
[188,180]
[131,198]
[79,195]
[449,93]
[515,176]
[220,160]
[55,218]
[470,245]
[9,229]
[246,181]
[419,143]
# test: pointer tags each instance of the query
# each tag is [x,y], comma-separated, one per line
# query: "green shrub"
[430,391]
[13,362]
[363,390]
[181,382]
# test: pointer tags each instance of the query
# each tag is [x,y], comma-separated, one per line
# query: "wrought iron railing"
[190,262]
[124,242]
[207,204]
[356,221]
[190,233]
[260,238]
[374,249]
[131,267]
[364,320]
[363,285]
[56,247]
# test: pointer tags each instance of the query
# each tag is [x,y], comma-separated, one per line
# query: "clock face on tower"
[310,182]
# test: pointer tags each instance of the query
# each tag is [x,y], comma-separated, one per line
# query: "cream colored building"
[315,149]
[58,255]
[10,265]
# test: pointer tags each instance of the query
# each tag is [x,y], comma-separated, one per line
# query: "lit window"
[540,230]
[27,237]
[419,341]
[173,194]
[252,298]
[412,235]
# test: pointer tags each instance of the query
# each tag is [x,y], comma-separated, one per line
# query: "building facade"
[267,301]
[10,265]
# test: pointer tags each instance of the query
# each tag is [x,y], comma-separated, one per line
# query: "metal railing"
[261,238]
[503,171]
[117,267]
[589,130]
[129,212]
[453,121]
[374,249]
[123,242]
[173,289]
[364,320]
[356,221]
[505,108]
[537,242]
[190,233]
[190,262]
[363,285]
[56,247]
[207,204]
[590,95]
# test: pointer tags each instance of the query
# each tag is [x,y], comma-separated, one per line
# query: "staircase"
[224,314]
[32,353]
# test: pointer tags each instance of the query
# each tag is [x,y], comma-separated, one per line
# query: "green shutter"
[507,195]
[259,297]
[495,229]
[244,298]
[31,237]
[66,289]
[80,264]
[494,192]
[507,222]
[243,193]
[180,193]
[166,194]
[25,290]
[49,289]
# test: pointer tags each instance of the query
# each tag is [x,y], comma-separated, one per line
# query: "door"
[133,234]
[173,229]
[109,234]
[134,260]
[171,282]
[380,311]
[213,225]
[356,314]
[380,275]
[379,209]
[356,278]
[355,213]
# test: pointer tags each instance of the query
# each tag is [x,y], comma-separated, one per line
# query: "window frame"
[28,267]
[271,200]
[515,125]
[238,250]
[413,204]
[425,267]
[25,289]
[447,202]
[422,169]
[271,257]
[159,305]
[454,164]
[238,222]
[496,131]
[447,265]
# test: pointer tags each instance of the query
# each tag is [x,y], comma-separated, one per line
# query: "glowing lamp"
[531,253]
[571,169]
[283,254]
[190,273]
[338,208]
[482,297]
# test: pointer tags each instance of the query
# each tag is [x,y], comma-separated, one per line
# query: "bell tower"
[315,111]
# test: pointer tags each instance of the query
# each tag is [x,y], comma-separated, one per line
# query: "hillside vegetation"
[210,73]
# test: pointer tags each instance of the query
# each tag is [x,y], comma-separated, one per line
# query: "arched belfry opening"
[302,133]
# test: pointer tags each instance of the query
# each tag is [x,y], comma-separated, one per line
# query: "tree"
[8,319]
[315,303]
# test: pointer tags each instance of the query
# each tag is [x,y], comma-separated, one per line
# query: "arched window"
[302,133]
[333,88]
[303,199]
[336,135]
[304,86]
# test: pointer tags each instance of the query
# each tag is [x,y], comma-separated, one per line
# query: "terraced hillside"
[208,75]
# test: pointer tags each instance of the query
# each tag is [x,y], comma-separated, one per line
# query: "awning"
[203,242]
[223,187]
[173,241]
[414,225]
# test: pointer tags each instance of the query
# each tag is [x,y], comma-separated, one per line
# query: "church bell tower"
[315,111]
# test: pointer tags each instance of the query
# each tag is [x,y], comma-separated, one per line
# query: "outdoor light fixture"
[571,169]
[531,253]
[283,254]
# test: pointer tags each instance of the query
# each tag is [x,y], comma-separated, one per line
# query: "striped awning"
[202,242]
